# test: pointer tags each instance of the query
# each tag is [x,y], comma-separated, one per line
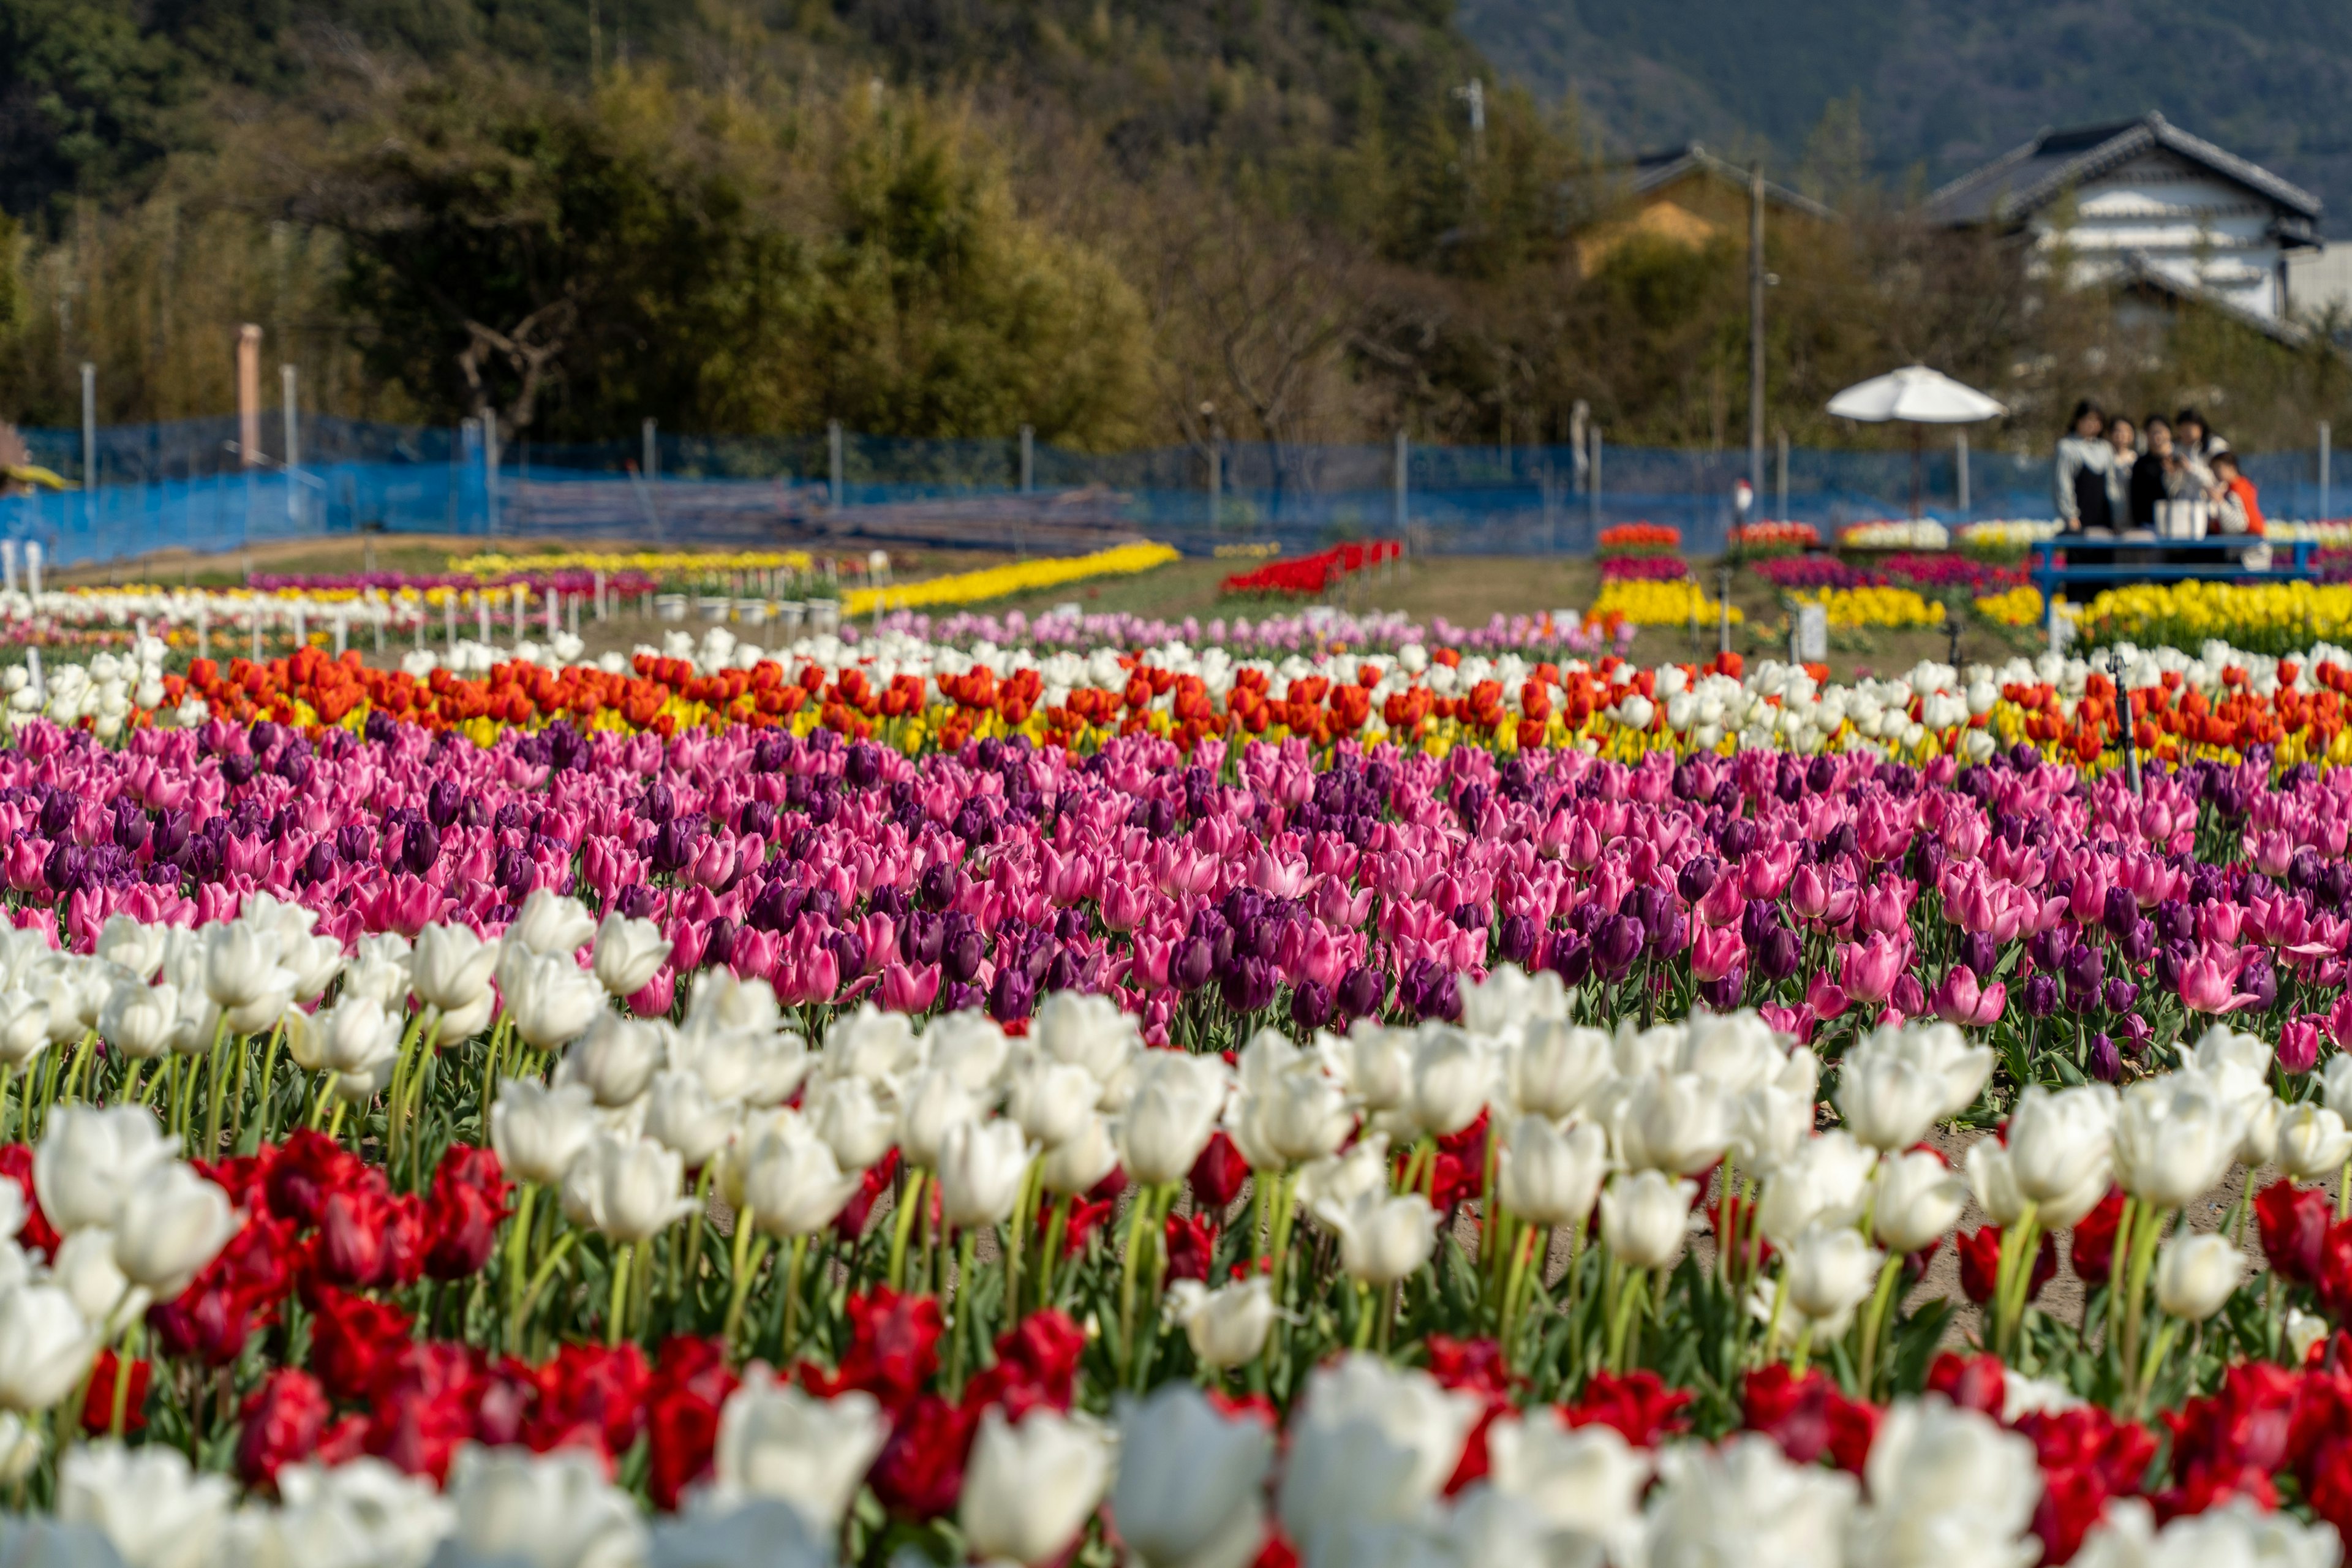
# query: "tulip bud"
[1646,1217]
[1029,1488]
[2196,1273]
[1383,1238]
[1226,1327]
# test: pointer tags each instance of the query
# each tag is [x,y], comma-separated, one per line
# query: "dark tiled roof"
[1652,170]
[2036,173]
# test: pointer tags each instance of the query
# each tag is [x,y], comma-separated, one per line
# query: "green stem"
[903,1224]
[538,1283]
[1138,1216]
[620,1309]
[739,1284]
[1874,1321]
[793,1258]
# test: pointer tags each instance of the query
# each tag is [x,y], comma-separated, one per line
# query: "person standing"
[2156,477]
[2125,452]
[2081,477]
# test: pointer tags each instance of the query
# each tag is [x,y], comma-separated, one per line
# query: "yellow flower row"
[1647,603]
[654,562]
[2266,617]
[1013,577]
[2019,606]
[1891,607]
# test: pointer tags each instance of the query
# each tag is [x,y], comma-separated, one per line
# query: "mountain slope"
[1944,88]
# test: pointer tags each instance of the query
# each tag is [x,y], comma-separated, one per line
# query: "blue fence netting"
[187,485]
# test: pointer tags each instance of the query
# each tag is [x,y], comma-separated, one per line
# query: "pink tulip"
[1963,834]
[2298,1047]
[1717,950]
[2209,982]
[1765,872]
[654,998]
[1724,904]
[1809,895]
[753,956]
[1882,908]
[906,990]
[1823,999]
[1960,1000]
[1867,971]
[1276,876]
[2219,922]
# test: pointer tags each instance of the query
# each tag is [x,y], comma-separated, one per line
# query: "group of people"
[2166,478]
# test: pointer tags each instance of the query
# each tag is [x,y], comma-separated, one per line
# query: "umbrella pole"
[1914,471]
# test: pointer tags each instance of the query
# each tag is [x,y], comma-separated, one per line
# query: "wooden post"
[248,395]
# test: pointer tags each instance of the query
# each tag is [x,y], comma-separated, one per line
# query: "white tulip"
[379,969]
[980,1167]
[628,954]
[2238,1533]
[617,1057]
[87,1159]
[1087,1031]
[313,960]
[1053,1102]
[171,1225]
[1227,1326]
[136,946]
[871,1044]
[1769,1124]
[1082,1162]
[1510,1001]
[1372,1444]
[2313,1142]
[1646,1217]
[1551,1176]
[449,968]
[150,1505]
[2196,1273]
[935,1105]
[786,1178]
[47,1345]
[24,1027]
[537,1130]
[681,1115]
[854,1125]
[1029,1488]
[1888,1100]
[1170,1116]
[626,1188]
[551,1000]
[1452,1076]
[358,1036]
[2175,1136]
[1343,1178]
[1947,1486]
[1674,1123]
[775,1441]
[1374,1061]
[1382,1239]
[1296,1114]
[1830,1272]
[551,923]
[21,1448]
[142,1020]
[1743,1501]
[1190,1482]
[241,966]
[1918,1199]
[542,1510]
[361,1513]
[1825,1181]
[2058,1143]
[1586,1479]
[969,1046]
[762,1532]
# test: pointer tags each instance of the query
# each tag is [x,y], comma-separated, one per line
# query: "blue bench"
[2216,558]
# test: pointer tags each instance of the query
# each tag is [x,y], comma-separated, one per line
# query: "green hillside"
[1943,87]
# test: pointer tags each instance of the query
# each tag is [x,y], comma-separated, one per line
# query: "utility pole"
[288,385]
[2323,469]
[1756,326]
[88,429]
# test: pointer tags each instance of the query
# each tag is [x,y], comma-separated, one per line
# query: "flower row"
[1014,577]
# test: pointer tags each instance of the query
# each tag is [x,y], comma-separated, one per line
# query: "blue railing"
[187,485]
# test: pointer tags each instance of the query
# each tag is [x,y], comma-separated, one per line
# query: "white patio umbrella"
[1915,396]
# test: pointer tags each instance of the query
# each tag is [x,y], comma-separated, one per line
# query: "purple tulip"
[1195,960]
[1778,954]
[1362,991]
[2106,1062]
[1011,996]
[1618,945]
[2041,996]
[1980,953]
[1310,1004]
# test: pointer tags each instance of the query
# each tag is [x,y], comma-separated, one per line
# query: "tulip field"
[1142,1097]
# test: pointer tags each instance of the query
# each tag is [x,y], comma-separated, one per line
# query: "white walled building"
[2145,202]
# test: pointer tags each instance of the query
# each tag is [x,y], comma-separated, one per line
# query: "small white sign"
[1812,633]
[1069,610]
